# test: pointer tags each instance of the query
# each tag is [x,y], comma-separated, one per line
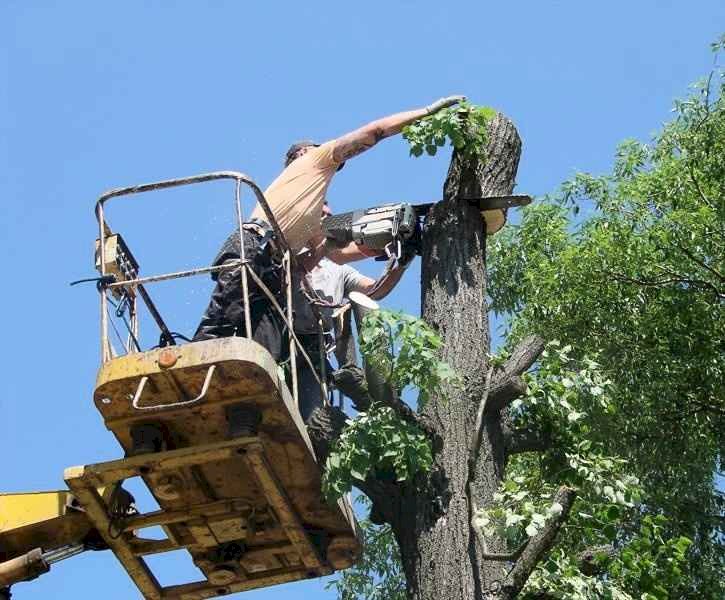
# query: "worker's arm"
[387,281]
[378,288]
[356,142]
[350,253]
[340,255]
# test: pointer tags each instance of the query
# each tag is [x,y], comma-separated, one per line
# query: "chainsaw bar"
[483,203]
[493,202]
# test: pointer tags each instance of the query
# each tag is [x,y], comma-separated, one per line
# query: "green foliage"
[376,442]
[629,268]
[560,577]
[464,125]
[517,513]
[378,575]
[379,441]
[565,399]
[649,563]
[407,350]
[568,398]
[647,567]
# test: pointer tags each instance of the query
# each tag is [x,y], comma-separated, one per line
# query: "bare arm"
[356,142]
[378,288]
[386,282]
[352,252]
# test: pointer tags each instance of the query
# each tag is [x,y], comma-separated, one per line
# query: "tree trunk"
[441,556]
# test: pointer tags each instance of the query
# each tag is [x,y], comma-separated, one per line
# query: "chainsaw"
[398,227]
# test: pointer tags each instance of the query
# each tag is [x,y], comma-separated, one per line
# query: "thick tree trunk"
[441,557]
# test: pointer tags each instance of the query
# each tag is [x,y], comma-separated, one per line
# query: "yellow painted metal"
[260,492]
[46,520]
[283,507]
[97,511]
[21,510]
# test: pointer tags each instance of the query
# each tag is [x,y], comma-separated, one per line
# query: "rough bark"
[507,383]
[519,440]
[440,555]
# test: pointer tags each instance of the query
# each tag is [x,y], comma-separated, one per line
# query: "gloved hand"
[443,103]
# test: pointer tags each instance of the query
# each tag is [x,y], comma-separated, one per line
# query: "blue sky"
[98,95]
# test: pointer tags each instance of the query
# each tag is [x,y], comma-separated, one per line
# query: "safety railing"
[131,288]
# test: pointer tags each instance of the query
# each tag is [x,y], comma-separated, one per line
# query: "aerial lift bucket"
[216,437]
[215,434]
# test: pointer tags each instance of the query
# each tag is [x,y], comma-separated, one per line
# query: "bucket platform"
[214,433]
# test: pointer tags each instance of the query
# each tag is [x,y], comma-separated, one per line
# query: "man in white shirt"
[332,284]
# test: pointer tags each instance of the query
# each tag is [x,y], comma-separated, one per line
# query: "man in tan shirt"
[296,199]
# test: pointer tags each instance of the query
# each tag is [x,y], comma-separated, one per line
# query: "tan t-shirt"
[296,197]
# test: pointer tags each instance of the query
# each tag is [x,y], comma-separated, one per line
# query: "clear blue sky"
[95,95]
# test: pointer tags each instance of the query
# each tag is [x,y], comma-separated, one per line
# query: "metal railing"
[136,286]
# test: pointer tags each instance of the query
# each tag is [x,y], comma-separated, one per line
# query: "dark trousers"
[224,317]
[309,390]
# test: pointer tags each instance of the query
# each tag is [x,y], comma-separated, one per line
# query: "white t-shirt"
[333,283]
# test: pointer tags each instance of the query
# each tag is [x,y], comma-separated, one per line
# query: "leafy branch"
[383,441]
[407,350]
[377,443]
[463,125]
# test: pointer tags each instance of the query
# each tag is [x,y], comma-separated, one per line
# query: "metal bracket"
[161,407]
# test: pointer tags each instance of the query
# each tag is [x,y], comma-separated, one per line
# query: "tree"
[640,283]
[431,510]
[626,408]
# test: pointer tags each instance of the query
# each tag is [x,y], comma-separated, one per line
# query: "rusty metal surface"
[137,283]
[97,511]
[258,495]
[23,568]
[262,491]
[283,507]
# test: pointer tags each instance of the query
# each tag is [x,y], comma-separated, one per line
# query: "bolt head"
[167,358]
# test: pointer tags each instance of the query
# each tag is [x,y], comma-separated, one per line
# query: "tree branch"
[508,557]
[704,198]
[699,262]
[590,562]
[324,427]
[537,547]
[507,383]
[352,381]
[475,446]
[693,283]
[523,439]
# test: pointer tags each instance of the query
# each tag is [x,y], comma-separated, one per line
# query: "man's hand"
[444,103]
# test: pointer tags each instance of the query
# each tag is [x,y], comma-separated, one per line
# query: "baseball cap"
[289,156]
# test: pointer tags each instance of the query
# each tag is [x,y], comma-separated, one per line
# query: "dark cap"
[290,155]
